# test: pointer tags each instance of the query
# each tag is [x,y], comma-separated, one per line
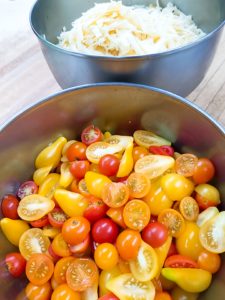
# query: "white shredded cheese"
[118,30]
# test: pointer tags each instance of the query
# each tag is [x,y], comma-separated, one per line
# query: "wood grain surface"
[25,77]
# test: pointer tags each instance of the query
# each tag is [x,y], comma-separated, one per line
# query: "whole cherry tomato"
[79,168]
[96,209]
[204,171]
[76,151]
[155,234]
[105,231]
[106,256]
[91,134]
[207,195]
[27,188]
[139,152]
[128,239]
[9,207]
[209,261]
[75,230]
[38,292]
[15,263]
[109,165]
[63,291]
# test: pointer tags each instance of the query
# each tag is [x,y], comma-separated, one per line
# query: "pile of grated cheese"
[117,30]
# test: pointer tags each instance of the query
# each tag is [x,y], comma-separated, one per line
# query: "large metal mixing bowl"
[121,108]
[178,71]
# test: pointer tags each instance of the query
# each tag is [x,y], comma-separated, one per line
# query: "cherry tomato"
[36,292]
[147,138]
[105,276]
[15,263]
[209,261]
[206,215]
[139,152]
[172,250]
[136,214]
[81,274]
[116,214]
[128,239]
[163,296]
[180,261]
[79,168]
[189,208]
[96,209]
[173,220]
[60,269]
[204,171]
[27,188]
[106,256]
[75,230]
[52,254]
[105,231]
[162,150]
[39,269]
[74,186]
[40,222]
[9,207]
[63,292]
[49,185]
[82,247]
[97,150]
[185,164]
[82,188]
[91,134]
[109,165]
[109,296]
[115,194]
[50,232]
[57,217]
[155,234]
[138,184]
[207,195]
[60,247]
[76,151]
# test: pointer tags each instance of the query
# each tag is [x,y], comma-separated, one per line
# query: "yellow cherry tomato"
[49,185]
[188,243]
[40,174]
[95,183]
[106,256]
[176,186]
[146,139]
[51,155]
[63,291]
[73,204]
[41,292]
[98,149]
[126,162]
[66,176]
[13,229]
[105,276]
[162,253]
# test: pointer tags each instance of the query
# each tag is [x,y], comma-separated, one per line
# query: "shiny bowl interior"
[121,108]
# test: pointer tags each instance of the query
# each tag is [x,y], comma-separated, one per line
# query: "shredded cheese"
[117,30]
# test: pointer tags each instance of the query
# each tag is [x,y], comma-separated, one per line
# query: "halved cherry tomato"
[40,174]
[207,195]
[138,184]
[116,214]
[155,234]
[180,261]
[50,232]
[99,149]
[146,139]
[60,247]
[75,230]
[82,247]
[95,183]
[52,254]
[39,269]
[105,276]
[79,168]
[27,188]
[40,222]
[34,207]
[63,291]
[77,150]
[115,194]
[49,185]
[15,263]
[38,292]
[60,269]
[82,188]
[136,214]
[66,177]
[128,239]
[91,134]
[33,241]
[163,296]
[96,209]
[105,231]
[162,150]
[81,274]
[209,261]
[173,220]
[74,186]
[206,215]
[109,296]
[106,256]
[204,171]
[109,165]
[9,207]
[139,152]
[185,164]
[57,217]
[122,140]
[189,208]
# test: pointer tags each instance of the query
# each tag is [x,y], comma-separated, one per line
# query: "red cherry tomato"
[9,207]
[109,165]
[79,168]
[27,188]
[40,222]
[96,209]
[162,150]
[76,151]
[57,217]
[109,296]
[91,134]
[15,263]
[180,261]
[105,231]
[155,234]
[204,171]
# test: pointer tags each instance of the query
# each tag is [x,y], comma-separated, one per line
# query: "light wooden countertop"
[26,78]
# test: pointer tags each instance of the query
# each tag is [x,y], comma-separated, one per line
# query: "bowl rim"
[119,58]
[175,97]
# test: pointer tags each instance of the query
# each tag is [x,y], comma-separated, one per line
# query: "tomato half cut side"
[185,164]
[15,263]
[57,217]
[60,247]
[81,274]
[39,269]
[91,134]
[60,269]
[115,194]
[138,184]
[189,208]
[146,139]
[27,188]
[180,261]
[173,220]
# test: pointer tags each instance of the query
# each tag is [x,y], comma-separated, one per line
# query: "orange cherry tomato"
[64,292]
[173,220]
[39,269]
[60,269]
[76,151]
[163,296]
[185,164]
[82,247]
[115,194]
[128,239]
[60,247]
[75,230]
[136,214]
[81,274]
[138,184]
[209,261]
[204,171]
[139,152]
[106,256]
[189,208]
[116,214]
[38,292]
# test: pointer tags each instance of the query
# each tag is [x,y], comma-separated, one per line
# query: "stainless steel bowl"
[122,108]
[178,71]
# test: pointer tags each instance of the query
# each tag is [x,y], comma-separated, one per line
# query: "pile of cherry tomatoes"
[115,217]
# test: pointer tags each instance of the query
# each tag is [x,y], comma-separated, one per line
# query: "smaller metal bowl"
[179,70]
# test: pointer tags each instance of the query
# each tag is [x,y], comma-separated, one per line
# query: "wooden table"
[26,78]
